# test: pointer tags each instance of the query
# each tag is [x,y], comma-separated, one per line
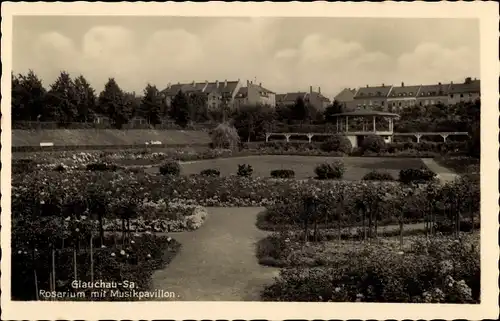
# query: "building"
[469,91]
[372,98]
[402,97]
[316,99]
[218,93]
[433,94]
[345,98]
[254,94]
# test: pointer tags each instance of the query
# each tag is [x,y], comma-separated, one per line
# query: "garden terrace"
[104,138]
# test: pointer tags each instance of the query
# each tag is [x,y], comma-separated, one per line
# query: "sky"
[284,54]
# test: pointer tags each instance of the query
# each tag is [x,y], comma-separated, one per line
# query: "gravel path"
[444,174]
[218,262]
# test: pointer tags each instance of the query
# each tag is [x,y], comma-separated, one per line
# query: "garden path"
[217,262]
[444,174]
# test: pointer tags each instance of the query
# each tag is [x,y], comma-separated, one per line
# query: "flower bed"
[46,247]
[441,270]
[373,203]
[160,217]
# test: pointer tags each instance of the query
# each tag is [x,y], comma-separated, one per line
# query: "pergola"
[369,121]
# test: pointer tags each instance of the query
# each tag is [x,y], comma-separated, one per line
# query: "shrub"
[282,173]
[415,175]
[211,172]
[102,167]
[333,170]
[378,176]
[23,165]
[373,143]
[245,170]
[170,168]
[225,136]
[440,272]
[337,143]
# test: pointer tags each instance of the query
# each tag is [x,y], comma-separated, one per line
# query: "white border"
[486,12]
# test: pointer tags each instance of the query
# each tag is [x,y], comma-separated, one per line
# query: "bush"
[211,172]
[245,170]
[102,167]
[378,176]
[373,143]
[414,175]
[282,173]
[337,143]
[333,170]
[23,165]
[171,169]
[225,136]
[441,271]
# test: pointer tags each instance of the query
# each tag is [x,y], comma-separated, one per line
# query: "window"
[399,104]
[383,103]
[370,102]
[432,102]
[426,102]
[451,96]
[461,95]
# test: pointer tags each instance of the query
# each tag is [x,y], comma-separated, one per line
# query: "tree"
[180,112]
[28,96]
[85,99]
[225,136]
[112,103]
[252,121]
[61,100]
[198,107]
[151,105]
[299,110]
[331,110]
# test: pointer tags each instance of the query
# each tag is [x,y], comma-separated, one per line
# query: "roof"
[294,96]
[319,96]
[377,91]
[346,94]
[434,90]
[367,113]
[474,86]
[404,91]
[208,87]
[243,91]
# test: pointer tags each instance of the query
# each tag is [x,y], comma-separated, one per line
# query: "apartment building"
[254,94]
[433,94]
[315,98]
[469,91]
[396,98]
[372,97]
[219,93]
[400,97]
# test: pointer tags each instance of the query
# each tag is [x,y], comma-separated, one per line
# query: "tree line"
[74,100]
[69,100]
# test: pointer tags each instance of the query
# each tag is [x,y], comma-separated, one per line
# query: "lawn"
[356,167]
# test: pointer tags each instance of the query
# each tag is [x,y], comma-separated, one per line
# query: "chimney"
[248,83]
[310,89]
[319,90]
[193,83]
[216,84]
[383,85]
[367,86]
[402,84]
[439,84]
[451,82]
[225,83]
[260,84]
